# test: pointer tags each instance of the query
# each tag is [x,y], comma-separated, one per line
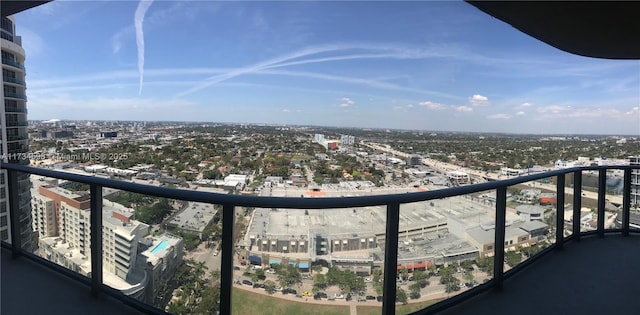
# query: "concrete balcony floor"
[28,288]
[592,276]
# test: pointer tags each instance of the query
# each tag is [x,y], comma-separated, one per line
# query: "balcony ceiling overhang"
[600,29]
[12,7]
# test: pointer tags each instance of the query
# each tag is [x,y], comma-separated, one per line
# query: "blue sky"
[411,65]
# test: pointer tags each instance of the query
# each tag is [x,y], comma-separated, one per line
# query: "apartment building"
[66,239]
[14,143]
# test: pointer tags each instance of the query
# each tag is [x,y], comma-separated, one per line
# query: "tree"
[420,277]
[414,291]
[319,281]
[513,258]
[404,273]
[468,276]
[401,295]
[485,264]
[288,276]
[269,286]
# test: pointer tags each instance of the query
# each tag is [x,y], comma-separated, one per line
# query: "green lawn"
[400,309]
[250,303]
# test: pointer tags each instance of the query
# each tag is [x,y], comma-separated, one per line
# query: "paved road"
[206,255]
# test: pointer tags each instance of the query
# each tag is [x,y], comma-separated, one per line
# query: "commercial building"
[459,178]
[482,236]
[414,160]
[194,217]
[14,143]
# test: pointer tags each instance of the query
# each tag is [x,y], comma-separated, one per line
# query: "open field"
[250,303]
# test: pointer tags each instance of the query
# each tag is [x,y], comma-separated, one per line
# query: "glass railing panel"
[163,252]
[530,221]
[60,221]
[445,247]
[294,258]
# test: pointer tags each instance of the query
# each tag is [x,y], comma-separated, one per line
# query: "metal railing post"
[577,204]
[626,202]
[602,190]
[560,180]
[96,238]
[226,268]
[498,262]
[390,259]
[14,213]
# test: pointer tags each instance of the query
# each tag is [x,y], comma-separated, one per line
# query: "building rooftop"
[195,216]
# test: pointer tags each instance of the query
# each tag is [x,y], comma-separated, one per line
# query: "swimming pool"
[162,245]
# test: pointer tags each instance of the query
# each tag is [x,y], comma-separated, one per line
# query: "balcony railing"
[16,138]
[14,80]
[15,95]
[15,109]
[12,63]
[17,124]
[392,203]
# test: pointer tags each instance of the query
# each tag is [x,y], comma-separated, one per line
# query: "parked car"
[379,298]
[371,297]
[338,296]
[307,294]
[289,291]
[322,295]
[247,282]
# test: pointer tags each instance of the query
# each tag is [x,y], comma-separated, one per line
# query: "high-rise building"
[14,140]
[65,237]
[635,182]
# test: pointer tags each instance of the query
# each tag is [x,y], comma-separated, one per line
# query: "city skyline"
[350,64]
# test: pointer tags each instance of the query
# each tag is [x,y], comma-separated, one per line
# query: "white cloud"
[346,102]
[143,6]
[499,116]
[520,113]
[433,106]
[464,109]
[478,100]
[525,104]
[633,112]
[553,109]
[286,110]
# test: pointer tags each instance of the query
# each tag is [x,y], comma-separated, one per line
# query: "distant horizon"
[334,127]
[417,65]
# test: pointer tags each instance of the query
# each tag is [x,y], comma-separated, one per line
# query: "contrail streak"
[143,6]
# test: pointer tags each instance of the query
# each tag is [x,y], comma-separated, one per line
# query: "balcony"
[14,80]
[12,63]
[535,279]
[11,124]
[15,109]
[15,95]
[571,255]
